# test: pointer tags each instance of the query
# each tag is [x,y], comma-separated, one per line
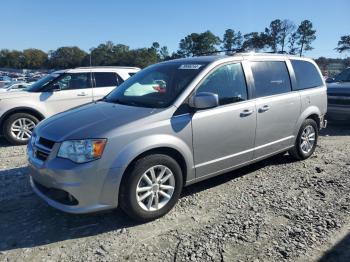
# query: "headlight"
[81,151]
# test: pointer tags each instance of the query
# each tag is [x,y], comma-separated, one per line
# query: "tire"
[14,123]
[299,151]
[129,199]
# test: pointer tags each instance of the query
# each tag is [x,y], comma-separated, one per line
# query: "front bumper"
[338,112]
[74,188]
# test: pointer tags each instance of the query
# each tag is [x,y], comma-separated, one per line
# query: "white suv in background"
[59,91]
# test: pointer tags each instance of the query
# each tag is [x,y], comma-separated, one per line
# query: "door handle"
[264,109]
[82,94]
[247,112]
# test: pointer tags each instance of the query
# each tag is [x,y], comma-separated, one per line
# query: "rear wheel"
[18,128]
[306,141]
[151,188]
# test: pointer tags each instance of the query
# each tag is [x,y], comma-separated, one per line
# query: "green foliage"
[198,44]
[232,40]
[12,59]
[256,41]
[288,27]
[305,34]
[34,58]
[66,57]
[343,44]
[274,33]
[292,44]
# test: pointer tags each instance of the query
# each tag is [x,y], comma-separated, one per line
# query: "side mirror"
[330,80]
[204,100]
[56,88]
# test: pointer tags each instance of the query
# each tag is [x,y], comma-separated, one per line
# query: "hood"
[338,88]
[2,90]
[94,120]
[17,94]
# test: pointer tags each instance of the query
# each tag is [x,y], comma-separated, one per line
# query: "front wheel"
[151,188]
[306,140]
[18,128]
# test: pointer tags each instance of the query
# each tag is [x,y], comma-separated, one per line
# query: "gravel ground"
[274,210]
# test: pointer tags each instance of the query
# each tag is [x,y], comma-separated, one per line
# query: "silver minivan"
[173,124]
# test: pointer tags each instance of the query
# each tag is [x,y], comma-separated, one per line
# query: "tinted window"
[306,74]
[70,81]
[228,82]
[270,78]
[343,76]
[103,79]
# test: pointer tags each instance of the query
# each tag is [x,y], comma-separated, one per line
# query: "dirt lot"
[275,210]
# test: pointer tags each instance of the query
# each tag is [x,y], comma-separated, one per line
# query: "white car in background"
[21,111]
[4,80]
[14,86]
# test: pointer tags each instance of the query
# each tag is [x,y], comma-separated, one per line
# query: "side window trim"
[293,80]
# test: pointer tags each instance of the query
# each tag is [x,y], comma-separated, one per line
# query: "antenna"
[91,78]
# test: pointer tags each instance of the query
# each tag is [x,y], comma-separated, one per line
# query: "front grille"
[42,148]
[41,155]
[339,100]
[47,143]
[58,195]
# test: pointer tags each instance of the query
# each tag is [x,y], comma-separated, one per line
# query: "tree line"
[281,36]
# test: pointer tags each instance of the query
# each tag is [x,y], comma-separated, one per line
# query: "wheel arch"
[16,110]
[169,151]
[311,112]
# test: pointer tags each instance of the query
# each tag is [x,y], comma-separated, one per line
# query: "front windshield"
[38,85]
[156,86]
[343,76]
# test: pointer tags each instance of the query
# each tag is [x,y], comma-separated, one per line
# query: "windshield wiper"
[127,103]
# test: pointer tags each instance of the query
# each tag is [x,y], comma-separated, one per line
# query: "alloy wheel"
[307,140]
[155,188]
[22,128]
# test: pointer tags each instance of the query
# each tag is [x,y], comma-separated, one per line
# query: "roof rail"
[233,52]
[124,67]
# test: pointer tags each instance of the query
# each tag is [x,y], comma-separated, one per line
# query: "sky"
[48,25]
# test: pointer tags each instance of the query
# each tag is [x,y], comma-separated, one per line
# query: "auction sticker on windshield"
[190,66]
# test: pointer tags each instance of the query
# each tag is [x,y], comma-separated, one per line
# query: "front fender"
[144,144]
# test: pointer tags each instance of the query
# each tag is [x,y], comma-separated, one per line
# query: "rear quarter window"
[105,79]
[306,74]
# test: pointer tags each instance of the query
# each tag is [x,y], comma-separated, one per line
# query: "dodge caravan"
[173,124]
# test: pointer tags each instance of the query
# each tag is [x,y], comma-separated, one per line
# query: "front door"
[68,91]
[223,137]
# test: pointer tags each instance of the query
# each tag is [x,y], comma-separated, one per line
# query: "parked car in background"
[21,111]
[4,80]
[14,86]
[338,90]
[196,118]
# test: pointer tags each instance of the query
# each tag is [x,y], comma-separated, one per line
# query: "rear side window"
[306,74]
[104,79]
[270,78]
